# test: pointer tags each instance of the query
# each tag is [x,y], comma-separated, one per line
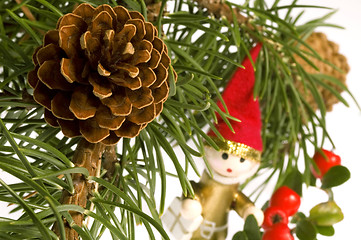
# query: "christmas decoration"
[274,215]
[237,160]
[324,161]
[102,73]
[284,203]
[326,214]
[102,102]
[286,199]
[278,231]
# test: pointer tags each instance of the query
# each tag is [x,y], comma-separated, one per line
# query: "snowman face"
[229,165]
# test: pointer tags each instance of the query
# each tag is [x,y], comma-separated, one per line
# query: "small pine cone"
[101,74]
[329,51]
[153,10]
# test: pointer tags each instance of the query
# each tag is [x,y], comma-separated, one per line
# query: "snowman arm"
[245,207]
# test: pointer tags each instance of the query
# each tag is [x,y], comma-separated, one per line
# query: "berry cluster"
[284,203]
[283,207]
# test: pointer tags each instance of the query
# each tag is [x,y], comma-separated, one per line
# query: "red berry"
[279,231]
[286,199]
[274,215]
[324,164]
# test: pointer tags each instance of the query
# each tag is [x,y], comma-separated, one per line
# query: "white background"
[343,124]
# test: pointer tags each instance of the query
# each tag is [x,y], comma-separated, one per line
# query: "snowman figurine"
[238,158]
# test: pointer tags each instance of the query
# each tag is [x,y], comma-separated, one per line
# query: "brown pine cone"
[101,74]
[329,51]
[153,10]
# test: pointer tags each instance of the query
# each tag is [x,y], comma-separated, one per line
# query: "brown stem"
[26,11]
[28,14]
[86,155]
[108,161]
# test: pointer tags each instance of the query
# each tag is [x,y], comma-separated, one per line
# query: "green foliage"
[306,230]
[205,52]
[251,230]
[336,176]
[294,181]
[328,231]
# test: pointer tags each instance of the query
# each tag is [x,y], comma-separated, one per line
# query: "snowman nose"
[229,170]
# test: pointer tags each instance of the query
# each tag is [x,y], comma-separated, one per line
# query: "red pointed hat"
[246,139]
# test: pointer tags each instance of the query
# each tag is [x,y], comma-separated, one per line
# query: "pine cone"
[329,51]
[153,10]
[101,74]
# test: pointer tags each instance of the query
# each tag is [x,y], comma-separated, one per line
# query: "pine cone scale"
[69,40]
[83,104]
[120,78]
[48,53]
[140,56]
[158,44]
[143,115]
[105,8]
[118,103]
[50,118]
[72,19]
[147,75]
[51,36]
[49,74]
[101,88]
[102,71]
[128,130]
[161,92]
[140,98]
[60,106]
[69,128]
[43,95]
[33,77]
[70,69]
[150,32]
[155,59]
[140,29]
[91,131]
[131,70]
[162,75]
[86,12]
[106,119]
[100,24]
[126,34]
[122,14]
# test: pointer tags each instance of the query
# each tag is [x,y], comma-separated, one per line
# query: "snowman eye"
[225,156]
[242,160]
